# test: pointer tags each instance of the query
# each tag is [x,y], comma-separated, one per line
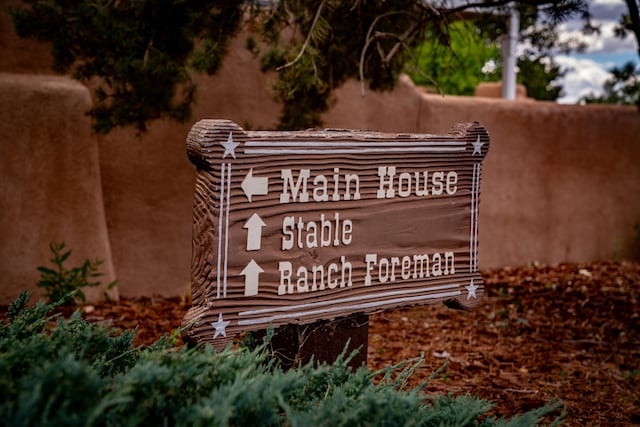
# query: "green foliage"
[456,68]
[55,377]
[540,76]
[140,50]
[470,54]
[139,55]
[537,70]
[329,42]
[81,374]
[65,285]
[623,88]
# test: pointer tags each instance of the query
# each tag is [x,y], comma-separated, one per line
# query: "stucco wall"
[559,184]
[51,185]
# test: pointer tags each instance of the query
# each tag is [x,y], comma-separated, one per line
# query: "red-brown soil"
[569,332]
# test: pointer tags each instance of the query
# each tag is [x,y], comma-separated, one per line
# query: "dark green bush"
[74,373]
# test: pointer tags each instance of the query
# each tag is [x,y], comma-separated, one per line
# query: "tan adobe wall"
[50,175]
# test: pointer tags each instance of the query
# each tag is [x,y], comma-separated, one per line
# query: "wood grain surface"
[296,227]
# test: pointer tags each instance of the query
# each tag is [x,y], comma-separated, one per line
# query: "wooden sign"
[295,227]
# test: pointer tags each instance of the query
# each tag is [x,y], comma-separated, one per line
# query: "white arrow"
[251,273]
[254,234]
[253,186]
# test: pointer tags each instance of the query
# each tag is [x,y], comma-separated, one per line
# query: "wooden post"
[322,341]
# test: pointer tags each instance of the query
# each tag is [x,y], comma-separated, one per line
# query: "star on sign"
[471,290]
[220,326]
[477,146]
[229,147]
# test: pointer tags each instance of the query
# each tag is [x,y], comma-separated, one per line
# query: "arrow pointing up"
[254,235]
[253,186]
[251,274]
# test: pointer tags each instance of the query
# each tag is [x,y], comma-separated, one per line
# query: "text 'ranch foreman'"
[334,230]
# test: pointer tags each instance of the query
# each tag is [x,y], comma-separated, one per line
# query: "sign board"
[295,227]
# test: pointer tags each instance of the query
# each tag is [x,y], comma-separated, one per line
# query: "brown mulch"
[569,332]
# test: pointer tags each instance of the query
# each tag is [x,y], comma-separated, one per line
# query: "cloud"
[604,41]
[605,16]
[607,10]
[587,73]
[584,77]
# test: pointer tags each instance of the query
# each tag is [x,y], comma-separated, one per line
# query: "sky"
[587,72]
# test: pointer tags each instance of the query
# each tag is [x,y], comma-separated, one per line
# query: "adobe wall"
[51,185]
[559,183]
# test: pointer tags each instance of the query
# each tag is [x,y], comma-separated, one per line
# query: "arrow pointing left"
[251,275]
[254,186]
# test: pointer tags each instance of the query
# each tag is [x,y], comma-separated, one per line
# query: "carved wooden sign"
[294,227]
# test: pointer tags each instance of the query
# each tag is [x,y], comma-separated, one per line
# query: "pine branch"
[370,39]
[306,42]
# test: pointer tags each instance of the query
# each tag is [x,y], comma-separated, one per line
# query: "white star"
[220,326]
[471,290]
[477,146]
[229,147]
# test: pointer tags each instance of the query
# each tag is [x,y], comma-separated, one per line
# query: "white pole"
[509,43]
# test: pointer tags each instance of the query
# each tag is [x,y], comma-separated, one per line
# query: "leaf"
[62,258]
[46,270]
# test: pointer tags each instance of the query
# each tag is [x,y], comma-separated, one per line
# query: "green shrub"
[65,285]
[74,373]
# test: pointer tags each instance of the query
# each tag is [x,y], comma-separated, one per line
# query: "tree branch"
[367,43]
[402,40]
[462,8]
[306,42]
[481,5]
[417,68]
[634,16]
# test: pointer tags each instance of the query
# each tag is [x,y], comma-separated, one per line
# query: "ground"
[569,332]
